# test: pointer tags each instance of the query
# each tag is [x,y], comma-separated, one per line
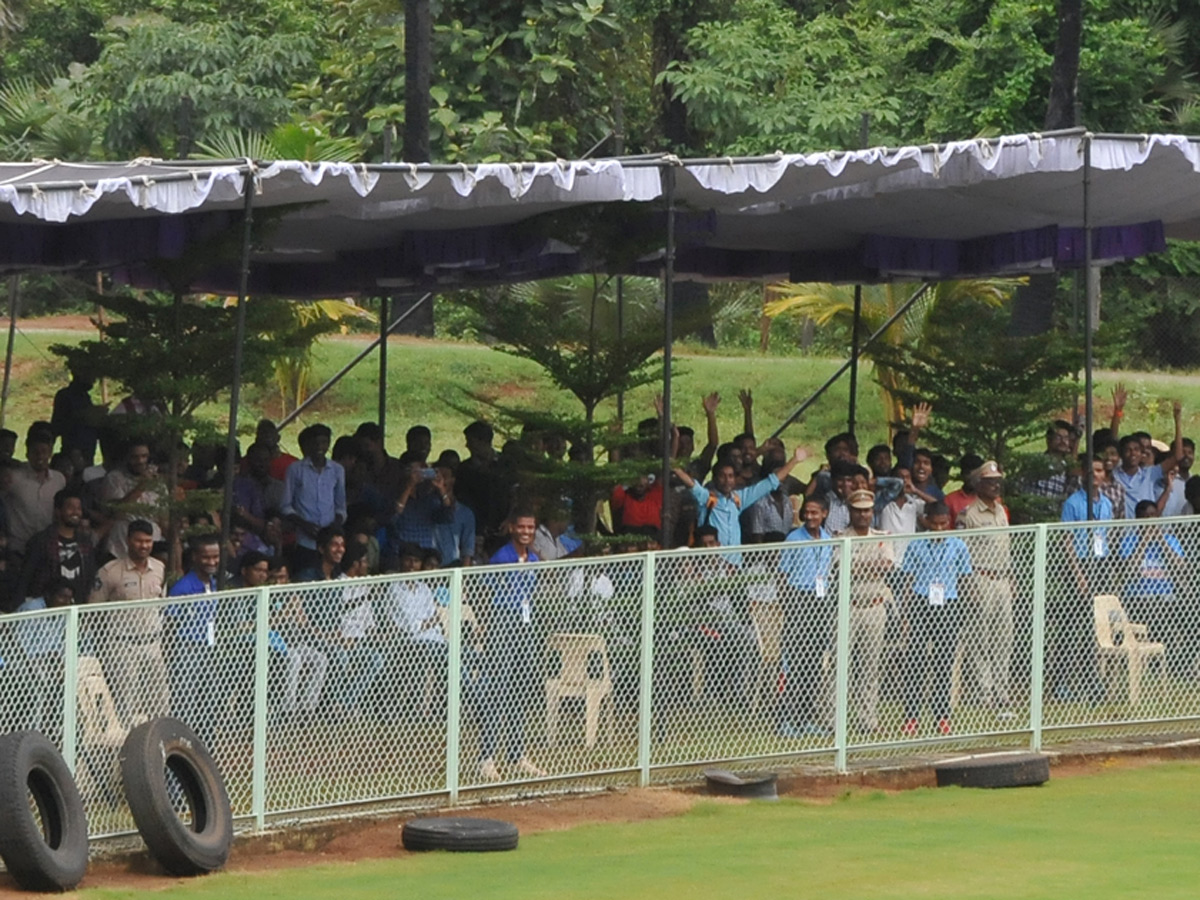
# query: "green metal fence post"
[262,662]
[842,670]
[1037,652]
[70,686]
[646,671]
[454,686]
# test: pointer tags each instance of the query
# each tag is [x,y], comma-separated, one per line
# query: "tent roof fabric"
[1006,205]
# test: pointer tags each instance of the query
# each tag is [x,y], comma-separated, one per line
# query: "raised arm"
[709,403]
[747,401]
[1119,396]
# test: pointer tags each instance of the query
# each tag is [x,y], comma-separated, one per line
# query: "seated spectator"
[307,662]
[1154,566]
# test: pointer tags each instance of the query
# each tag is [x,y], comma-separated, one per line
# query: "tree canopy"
[555,78]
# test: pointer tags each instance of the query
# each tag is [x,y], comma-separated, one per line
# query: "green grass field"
[428,379]
[1120,833]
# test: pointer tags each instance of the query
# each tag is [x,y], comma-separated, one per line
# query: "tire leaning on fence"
[177,797]
[43,826]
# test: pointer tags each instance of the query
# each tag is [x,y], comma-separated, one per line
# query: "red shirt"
[630,512]
[956,502]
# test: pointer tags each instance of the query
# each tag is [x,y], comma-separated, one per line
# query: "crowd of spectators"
[81,531]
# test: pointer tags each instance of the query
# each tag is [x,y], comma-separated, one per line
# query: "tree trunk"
[1062,109]
[418,64]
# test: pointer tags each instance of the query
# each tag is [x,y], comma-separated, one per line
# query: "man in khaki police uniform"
[988,631]
[871,563]
[130,640]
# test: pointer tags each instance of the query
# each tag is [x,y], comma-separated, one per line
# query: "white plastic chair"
[1117,637]
[574,681]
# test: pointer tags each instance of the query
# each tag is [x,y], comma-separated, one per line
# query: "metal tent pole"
[383,366]
[341,373]
[855,350]
[1088,317]
[668,175]
[235,392]
[832,379]
[14,299]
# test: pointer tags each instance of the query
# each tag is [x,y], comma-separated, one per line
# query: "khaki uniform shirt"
[870,590]
[121,580]
[991,554]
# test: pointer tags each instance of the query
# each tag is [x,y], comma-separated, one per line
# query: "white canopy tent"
[1014,204]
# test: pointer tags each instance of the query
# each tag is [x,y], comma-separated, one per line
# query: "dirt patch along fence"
[435,687]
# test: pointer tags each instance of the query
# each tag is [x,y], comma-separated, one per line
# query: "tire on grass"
[461,834]
[177,797]
[1008,770]
[44,835]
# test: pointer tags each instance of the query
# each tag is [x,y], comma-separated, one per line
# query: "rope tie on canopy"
[86,190]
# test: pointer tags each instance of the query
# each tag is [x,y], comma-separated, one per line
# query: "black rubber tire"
[751,785]
[1008,770]
[52,856]
[193,848]
[461,834]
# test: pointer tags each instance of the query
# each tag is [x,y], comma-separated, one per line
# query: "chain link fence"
[631,669]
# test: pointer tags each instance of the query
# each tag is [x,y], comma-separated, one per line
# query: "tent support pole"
[14,299]
[668,175]
[383,367]
[832,379]
[1089,313]
[855,350]
[341,373]
[235,392]
[620,345]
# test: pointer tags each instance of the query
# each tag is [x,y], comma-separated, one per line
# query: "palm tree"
[829,303]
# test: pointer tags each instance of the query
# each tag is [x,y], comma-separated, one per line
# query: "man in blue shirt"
[934,616]
[314,494]
[721,506]
[1071,665]
[809,617]
[194,660]
[454,533]
[511,657]
[1154,562]
[1146,482]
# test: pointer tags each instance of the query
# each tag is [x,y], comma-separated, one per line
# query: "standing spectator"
[721,506]
[42,640]
[1072,668]
[809,621]
[255,492]
[30,499]
[1112,488]
[769,519]
[387,474]
[511,653]
[418,441]
[1175,503]
[75,417]
[198,683]
[63,551]
[871,564]
[957,501]
[131,640]
[934,617]
[314,493]
[268,435]
[988,637]
[637,507]
[1061,440]
[454,531]
[1143,480]
[421,505]
[133,491]
[483,486]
